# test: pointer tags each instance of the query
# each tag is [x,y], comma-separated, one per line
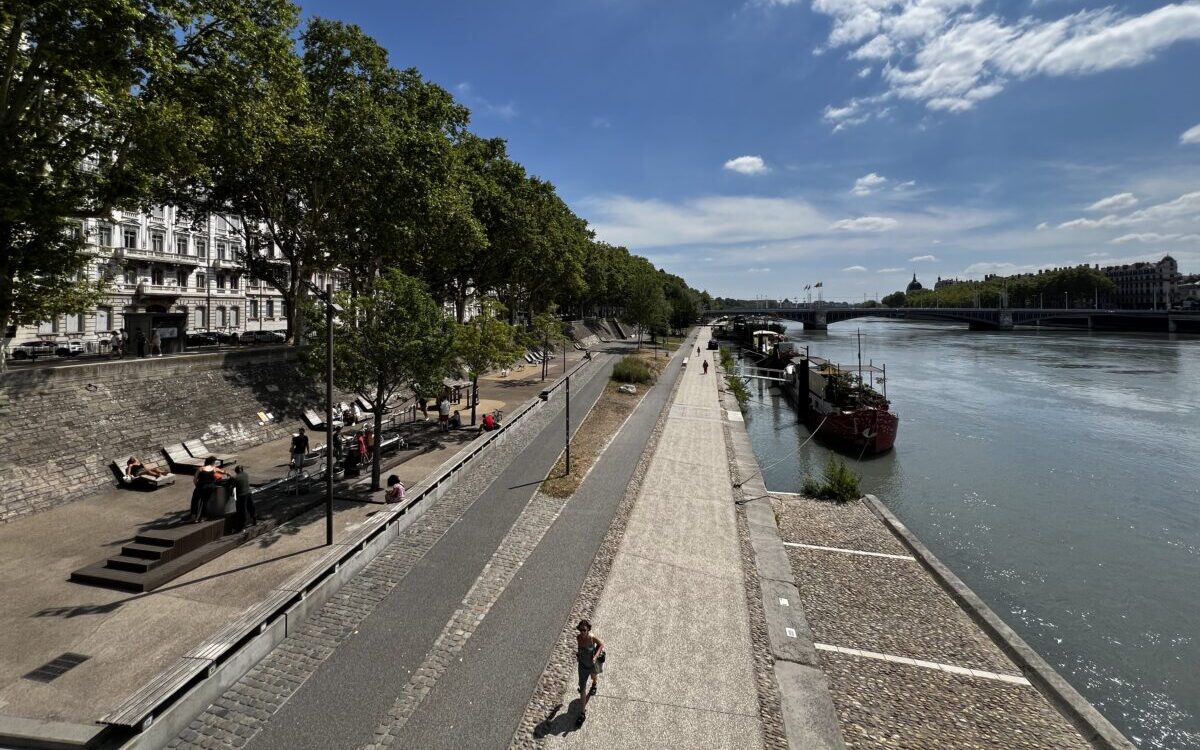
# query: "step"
[185,537]
[147,551]
[127,580]
[49,735]
[133,564]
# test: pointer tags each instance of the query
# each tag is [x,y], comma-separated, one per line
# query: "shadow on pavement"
[556,723]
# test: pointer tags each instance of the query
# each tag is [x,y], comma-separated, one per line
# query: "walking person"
[141,344]
[706,367]
[155,344]
[444,413]
[589,653]
[299,450]
[245,496]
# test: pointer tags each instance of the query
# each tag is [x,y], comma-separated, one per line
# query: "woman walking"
[590,655]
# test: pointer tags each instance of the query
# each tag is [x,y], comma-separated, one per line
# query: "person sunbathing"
[135,468]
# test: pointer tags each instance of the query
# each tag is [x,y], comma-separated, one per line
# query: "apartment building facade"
[164,262]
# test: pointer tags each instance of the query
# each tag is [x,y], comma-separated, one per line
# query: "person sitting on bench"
[489,423]
[456,419]
[395,490]
[134,468]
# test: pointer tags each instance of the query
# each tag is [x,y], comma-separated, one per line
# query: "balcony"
[226,292]
[162,256]
[226,263]
[147,289]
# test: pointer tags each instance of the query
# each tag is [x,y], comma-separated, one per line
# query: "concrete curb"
[1083,715]
[294,600]
[809,716]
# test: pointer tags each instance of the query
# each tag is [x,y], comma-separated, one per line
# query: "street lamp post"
[329,414]
[567,436]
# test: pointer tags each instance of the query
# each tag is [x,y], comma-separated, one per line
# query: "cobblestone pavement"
[520,541]
[892,608]
[249,704]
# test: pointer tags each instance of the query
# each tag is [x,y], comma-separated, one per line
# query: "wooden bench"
[198,449]
[144,481]
[180,458]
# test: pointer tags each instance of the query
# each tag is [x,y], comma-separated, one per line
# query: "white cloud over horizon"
[1114,202]
[949,55]
[922,259]
[865,224]
[1191,135]
[747,165]
[854,269]
[868,184]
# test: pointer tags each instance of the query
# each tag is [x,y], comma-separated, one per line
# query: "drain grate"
[56,667]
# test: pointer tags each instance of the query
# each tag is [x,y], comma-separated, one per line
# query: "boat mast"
[860,383]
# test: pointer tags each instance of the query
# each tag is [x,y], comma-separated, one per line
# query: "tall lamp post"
[326,297]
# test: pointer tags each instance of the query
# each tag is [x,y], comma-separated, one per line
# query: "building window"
[270,309]
[130,276]
[181,245]
[74,323]
[157,212]
[129,236]
[201,317]
[253,314]
[48,327]
[233,316]
[157,241]
[252,282]
[105,231]
[233,282]
[221,321]
[222,249]
[156,277]
[202,248]
[220,280]
[234,249]
[103,319]
[283,308]
[181,278]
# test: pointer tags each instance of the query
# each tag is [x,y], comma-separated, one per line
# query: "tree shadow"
[560,724]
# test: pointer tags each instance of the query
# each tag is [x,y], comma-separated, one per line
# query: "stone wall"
[60,427]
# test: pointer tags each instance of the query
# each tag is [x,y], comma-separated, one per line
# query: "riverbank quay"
[129,639]
[668,596]
[906,665]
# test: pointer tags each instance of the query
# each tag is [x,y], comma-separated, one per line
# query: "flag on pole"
[807,287]
[818,284]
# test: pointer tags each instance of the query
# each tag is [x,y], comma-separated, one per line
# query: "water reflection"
[1055,473]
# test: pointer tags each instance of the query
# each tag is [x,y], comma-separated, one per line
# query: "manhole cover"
[56,667]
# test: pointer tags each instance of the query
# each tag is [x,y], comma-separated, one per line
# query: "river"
[1056,473]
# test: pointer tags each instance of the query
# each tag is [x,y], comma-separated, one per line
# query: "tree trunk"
[474,395]
[377,449]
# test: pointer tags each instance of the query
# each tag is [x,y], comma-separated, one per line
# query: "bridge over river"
[983,318]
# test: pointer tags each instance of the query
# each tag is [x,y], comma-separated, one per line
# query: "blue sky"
[755,147]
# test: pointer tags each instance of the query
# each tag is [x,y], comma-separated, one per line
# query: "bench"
[144,481]
[685,359]
[316,423]
[180,458]
[198,449]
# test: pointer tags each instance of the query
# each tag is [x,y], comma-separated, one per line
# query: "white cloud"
[890,270]
[979,269]
[480,105]
[854,269]
[624,220]
[758,270]
[747,165]
[922,259]
[867,71]
[1043,227]
[1155,237]
[949,56]
[868,184]
[1114,202]
[602,123]
[865,224]
[905,186]
[1191,135]
[1185,207]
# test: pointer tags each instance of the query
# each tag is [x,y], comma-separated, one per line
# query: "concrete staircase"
[159,555]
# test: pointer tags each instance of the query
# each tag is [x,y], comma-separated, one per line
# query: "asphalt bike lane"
[341,704]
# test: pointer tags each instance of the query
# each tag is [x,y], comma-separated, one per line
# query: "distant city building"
[1142,286]
[943,283]
[913,286]
[163,262]
[1188,292]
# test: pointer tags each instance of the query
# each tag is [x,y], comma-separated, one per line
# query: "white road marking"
[850,551]
[1011,679]
[783,602]
[791,632]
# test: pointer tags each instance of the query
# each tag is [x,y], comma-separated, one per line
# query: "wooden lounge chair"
[180,458]
[144,482]
[199,450]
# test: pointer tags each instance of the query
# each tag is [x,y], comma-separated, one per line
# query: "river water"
[1056,473]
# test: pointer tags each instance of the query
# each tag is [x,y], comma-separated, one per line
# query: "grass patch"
[601,423]
[837,483]
[632,369]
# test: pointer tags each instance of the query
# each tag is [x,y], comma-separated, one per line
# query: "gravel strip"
[901,707]
[848,525]
[891,607]
[547,697]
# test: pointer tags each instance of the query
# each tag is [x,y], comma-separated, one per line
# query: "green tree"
[895,299]
[101,105]
[388,337]
[545,331]
[485,343]
[645,303]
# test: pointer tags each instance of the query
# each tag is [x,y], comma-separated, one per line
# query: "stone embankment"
[60,427]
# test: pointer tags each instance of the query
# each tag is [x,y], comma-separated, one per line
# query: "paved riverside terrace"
[673,614]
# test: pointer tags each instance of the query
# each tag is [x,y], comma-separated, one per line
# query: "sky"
[756,147]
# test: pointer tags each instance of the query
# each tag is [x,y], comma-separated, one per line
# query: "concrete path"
[673,615]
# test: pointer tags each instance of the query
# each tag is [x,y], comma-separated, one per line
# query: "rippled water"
[1057,474]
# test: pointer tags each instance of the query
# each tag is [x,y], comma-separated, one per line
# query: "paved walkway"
[673,615]
[130,638]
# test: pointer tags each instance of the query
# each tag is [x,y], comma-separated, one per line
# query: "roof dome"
[914,285]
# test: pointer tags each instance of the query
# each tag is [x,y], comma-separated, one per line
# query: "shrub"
[727,362]
[632,370]
[837,484]
[738,389]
